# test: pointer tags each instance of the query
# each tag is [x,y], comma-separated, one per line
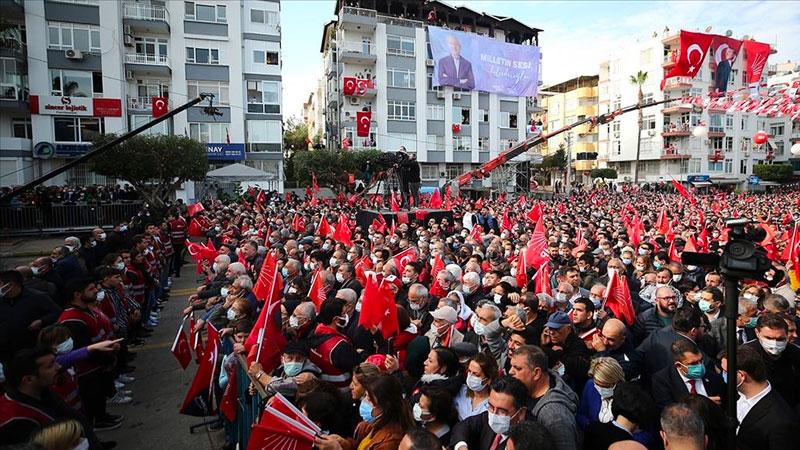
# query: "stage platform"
[365,217]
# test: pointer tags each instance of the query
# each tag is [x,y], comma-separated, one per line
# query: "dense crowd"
[488,352]
[44,196]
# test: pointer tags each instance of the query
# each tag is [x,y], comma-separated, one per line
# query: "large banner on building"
[471,61]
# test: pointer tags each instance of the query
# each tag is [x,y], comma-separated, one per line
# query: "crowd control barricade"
[22,220]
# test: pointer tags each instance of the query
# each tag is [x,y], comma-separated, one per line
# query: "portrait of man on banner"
[455,70]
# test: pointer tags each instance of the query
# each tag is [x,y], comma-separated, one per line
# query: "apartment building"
[566,103]
[451,130]
[314,113]
[91,66]
[668,147]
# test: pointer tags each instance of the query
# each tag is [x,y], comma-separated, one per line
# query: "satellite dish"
[708,29]
[729,33]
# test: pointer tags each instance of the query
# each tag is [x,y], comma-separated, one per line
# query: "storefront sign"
[225,151]
[71,150]
[75,106]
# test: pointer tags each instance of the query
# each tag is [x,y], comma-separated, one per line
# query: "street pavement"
[152,420]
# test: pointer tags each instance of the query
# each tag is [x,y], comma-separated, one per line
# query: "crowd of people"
[44,196]
[488,354]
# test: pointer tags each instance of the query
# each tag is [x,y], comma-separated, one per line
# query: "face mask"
[333,262]
[691,268]
[419,414]
[640,267]
[498,298]
[325,247]
[677,278]
[406,280]
[605,392]
[499,424]
[414,306]
[231,314]
[339,277]
[120,266]
[704,305]
[513,271]
[292,290]
[751,297]
[772,346]
[217,229]
[101,295]
[103,236]
[657,265]
[475,384]
[215,267]
[285,272]
[65,347]
[123,228]
[441,331]
[560,370]
[465,289]
[292,368]
[35,270]
[561,297]
[224,292]
[695,371]
[70,248]
[768,277]
[358,306]
[627,261]
[725,376]
[83,444]
[365,411]
[597,302]
[642,252]
[582,269]
[479,328]
[294,322]
[343,321]
[752,322]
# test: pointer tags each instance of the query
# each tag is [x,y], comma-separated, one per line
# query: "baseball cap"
[446,313]
[557,320]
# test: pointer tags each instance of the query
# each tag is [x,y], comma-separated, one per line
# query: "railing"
[26,220]
[146,58]
[352,10]
[145,12]
[140,103]
[357,47]
[248,407]
[399,22]
[676,128]
[677,81]
[16,92]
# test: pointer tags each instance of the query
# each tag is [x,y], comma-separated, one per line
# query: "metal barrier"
[31,220]
[248,406]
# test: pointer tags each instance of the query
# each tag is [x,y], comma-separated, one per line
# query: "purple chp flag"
[474,62]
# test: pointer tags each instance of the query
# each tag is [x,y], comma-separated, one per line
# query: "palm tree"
[639,79]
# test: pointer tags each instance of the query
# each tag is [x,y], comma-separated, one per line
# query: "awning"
[701,183]
[768,183]
[726,181]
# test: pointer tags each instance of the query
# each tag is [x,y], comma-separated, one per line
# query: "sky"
[577,35]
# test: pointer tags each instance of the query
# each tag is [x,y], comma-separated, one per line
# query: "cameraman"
[409,176]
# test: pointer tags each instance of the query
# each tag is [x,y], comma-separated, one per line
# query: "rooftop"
[570,85]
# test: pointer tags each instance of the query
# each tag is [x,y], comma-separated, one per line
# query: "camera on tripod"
[741,257]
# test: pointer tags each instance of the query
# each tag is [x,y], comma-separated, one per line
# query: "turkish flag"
[408,255]
[180,348]
[537,246]
[755,60]
[194,209]
[662,224]
[298,224]
[342,231]
[266,341]
[195,230]
[323,229]
[394,204]
[317,291]
[269,285]
[436,199]
[535,213]
[436,289]
[476,233]
[618,298]
[791,252]
[456,128]
[361,267]
[362,84]
[684,193]
[363,122]
[522,271]
[505,224]
[349,87]
[314,184]
[230,404]
[199,400]
[160,106]
[378,308]
[694,47]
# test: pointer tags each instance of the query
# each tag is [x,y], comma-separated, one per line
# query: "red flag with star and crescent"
[363,122]
[180,347]
[694,47]
[408,255]
[378,308]
[317,291]
[323,229]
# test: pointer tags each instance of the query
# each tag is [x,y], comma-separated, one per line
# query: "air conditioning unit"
[354,100]
[127,40]
[651,133]
[73,54]
[616,134]
[129,75]
[456,95]
[429,62]
[440,95]
[127,29]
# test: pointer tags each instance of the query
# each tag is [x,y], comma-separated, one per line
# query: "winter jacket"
[556,410]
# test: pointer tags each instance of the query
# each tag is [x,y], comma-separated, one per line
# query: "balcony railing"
[140,103]
[676,129]
[672,152]
[357,47]
[147,58]
[14,92]
[399,22]
[677,82]
[358,11]
[145,12]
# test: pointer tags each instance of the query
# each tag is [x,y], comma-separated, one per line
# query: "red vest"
[98,328]
[177,231]
[135,282]
[167,244]
[67,389]
[12,410]
[321,356]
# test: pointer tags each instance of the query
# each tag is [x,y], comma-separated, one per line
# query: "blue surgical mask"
[292,368]
[752,323]
[285,272]
[695,371]
[704,305]
[725,376]
[65,347]
[365,411]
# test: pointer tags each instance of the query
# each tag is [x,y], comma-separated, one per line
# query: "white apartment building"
[668,148]
[387,42]
[110,58]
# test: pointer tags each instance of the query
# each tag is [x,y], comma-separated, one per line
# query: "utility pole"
[210,110]
[569,162]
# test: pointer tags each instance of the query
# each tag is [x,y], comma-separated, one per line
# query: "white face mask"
[561,297]
[339,277]
[499,424]
[83,444]
[334,262]
[224,292]
[358,306]
[215,267]
[475,384]
[103,236]
[676,278]
[406,280]
[498,298]
[231,314]
[414,306]
[513,271]
[605,392]
[101,295]
[751,297]
[35,270]
[772,346]
[65,347]
[294,322]
[120,266]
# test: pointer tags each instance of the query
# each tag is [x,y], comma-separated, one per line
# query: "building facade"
[668,147]
[566,103]
[314,113]
[95,66]
[450,130]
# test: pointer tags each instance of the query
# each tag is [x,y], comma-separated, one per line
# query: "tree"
[603,173]
[154,165]
[332,167]
[779,173]
[295,135]
[639,79]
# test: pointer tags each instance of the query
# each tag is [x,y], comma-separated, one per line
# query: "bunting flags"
[618,298]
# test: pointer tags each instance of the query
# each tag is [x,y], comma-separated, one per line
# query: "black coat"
[655,350]
[475,431]
[668,386]
[575,356]
[770,425]
[599,436]
[782,372]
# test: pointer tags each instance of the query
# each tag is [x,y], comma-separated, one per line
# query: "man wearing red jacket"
[177,230]
[331,350]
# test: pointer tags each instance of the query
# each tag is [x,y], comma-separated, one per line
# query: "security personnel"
[177,227]
[331,350]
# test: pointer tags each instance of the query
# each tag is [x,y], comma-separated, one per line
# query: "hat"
[446,313]
[378,361]
[557,320]
[395,280]
[296,347]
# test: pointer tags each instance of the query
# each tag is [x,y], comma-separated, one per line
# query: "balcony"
[389,20]
[146,18]
[586,92]
[585,129]
[677,83]
[357,19]
[683,108]
[584,147]
[671,152]
[676,129]
[669,59]
[148,64]
[357,53]
[716,132]
[141,103]
[586,110]
[13,96]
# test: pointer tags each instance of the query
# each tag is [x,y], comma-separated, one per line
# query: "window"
[776,130]
[263,16]
[462,144]
[729,121]
[649,122]
[208,132]
[779,146]
[264,131]
[158,129]
[435,143]
[218,88]
[715,166]
[483,144]
[483,115]
[728,143]
[435,112]
[694,165]
[402,78]
[429,171]
[151,46]
[715,123]
[647,98]
[462,114]
[431,87]
[453,171]
[273,58]
[508,120]
[728,166]
[743,166]
[77,129]
[615,125]
[75,83]
[199,55]
[399,45]
[716,143]
[617,103]
[259,57]
[401,110]
[22,128]
[80,2]
[617,147]
[396,140]
[205,13]
[72,35]
[11,77]
[264,97]
[624,166]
